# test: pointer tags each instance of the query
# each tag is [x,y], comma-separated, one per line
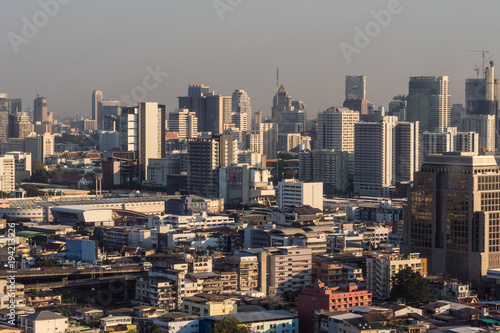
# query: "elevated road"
[82,282]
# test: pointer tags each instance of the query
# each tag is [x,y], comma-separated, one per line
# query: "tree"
[155,328]
[410,286]
[64,312]
[288,296]
[229,325]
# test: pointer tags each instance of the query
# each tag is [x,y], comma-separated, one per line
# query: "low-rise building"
[178,322]
[44,321]
[207,304]
[277,321]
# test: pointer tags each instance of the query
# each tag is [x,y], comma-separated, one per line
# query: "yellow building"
[205,304]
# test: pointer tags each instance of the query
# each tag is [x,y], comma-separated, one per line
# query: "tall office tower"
[257,117]
[397,107]
[484,125]
[205,156]
[306,166]
[454,215]
[332,169]
[107,111]
[41,112]
[281,102]
[467,142]
[267,139]
[129,129]
[196,89]
[292,121]
[96,99]
[151,133]
[406,151]
[336,131]
[373,155]
[11,107]
[436,143]
[457,111]
[211,116]
[4,121]
[429,103]
[22,126]
[355,94]
[184,123]
[39,146]
[241,106]
[481,94]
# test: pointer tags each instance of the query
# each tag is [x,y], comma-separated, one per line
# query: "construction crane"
[483,51]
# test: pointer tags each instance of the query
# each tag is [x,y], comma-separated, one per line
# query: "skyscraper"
[481,94]
[108,110]
[143,132]
[428,102]
[96,98]
[184,123]
[281,101]
[373,155]
[406,151]
[355,94]
[241,109]
[40,109]
[267,139]
[484,125]
[454,215]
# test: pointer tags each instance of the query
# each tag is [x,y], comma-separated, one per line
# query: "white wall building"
[184,122]
[292,192]
[44,321]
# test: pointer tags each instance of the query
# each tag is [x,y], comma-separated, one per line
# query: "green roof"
[29,234]
[490,321]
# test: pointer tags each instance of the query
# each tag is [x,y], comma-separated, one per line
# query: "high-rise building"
[373,155]
[257,117]
[336,129]
[40,110]
[151,133]
[282,101]
[195,89]
[213,114]
[292,121]
[184,122]
[143,132]
[454,215]
[241,109]
[406,151]
[436,143]
[205,157]
[7,173]
[481,94]
[429,103]
[195,102]
[484,125]
[96,98]
[107,109]
[355,94]
[332,168]
[397,107]
[467,142]
[39,146]
[267,140]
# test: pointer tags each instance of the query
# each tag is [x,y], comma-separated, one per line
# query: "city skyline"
[237,47]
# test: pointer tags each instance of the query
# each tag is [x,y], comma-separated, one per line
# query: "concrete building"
[297,193]
[328,298]
[406,151]
[484,125]
[457,192]
[467,142]
[109,140]
[328,166]
[244,184]
[281,101]
[7,173]
[266,139]
[97,97]
[178,322]
[429,102]
[289,269]
[278,321]
[436,143]
[373,172]
[22,165]
[292,120]
[44,321]
[184,123]
[241,110]
[160,168]
[40,110]
[355,94]
[151,134]
[108,110]
[481,94]
[381,268]
[206,304]
[129,129]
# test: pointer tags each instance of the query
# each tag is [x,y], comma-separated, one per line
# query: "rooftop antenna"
[483,51]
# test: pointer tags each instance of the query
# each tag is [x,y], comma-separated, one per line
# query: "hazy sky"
[108,44]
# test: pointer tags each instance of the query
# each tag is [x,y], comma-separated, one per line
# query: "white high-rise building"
[436,143]
[336,131]
[373,172]
[7,173]
[484,125]
[267,139]
[151,133]
[467,142]
[241,109]
[406,151]
[184,122]
[129,129]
